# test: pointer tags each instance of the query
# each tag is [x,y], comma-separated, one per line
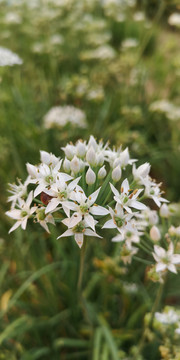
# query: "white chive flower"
[166,259]
[84,207]
[18,191]
[42,218]
[119,220]
[60,192]
[153,191]
[23,213]
[78,231]
[127,198]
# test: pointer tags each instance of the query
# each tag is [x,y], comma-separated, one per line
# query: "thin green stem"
[156,303]
[81,268]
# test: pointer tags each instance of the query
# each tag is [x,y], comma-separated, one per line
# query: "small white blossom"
[23,213]
[84,207]
[153,191]
[166,259]
[18,191]
[119,220]
[78,231]
[43,218]
[126,198]
[60,192]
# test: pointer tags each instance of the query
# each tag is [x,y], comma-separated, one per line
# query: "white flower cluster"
[171,111]
[87,184]
[7,57]
[59,116]
[169,317]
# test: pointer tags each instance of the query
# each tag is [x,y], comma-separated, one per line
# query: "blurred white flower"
[174,19]
[129,43]
[7,57]
[167,317]
[59,116]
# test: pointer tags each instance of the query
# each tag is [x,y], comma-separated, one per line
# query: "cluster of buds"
[88,185]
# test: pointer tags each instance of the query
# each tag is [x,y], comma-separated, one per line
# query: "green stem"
[154,308]
[81,268]
[156,303]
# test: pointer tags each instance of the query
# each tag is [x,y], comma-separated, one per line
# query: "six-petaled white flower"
[166,259]
[23,213]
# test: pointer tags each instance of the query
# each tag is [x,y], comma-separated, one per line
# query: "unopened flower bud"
[116,162]
[91,156]
[100,159]
[102,173]
[66,165]
[155,233]
[75,165]
[32,170]
[92,142]
[164,211]
[90,177]
[174,231]
[116,174]
[80,149]
[69,151]
[82,165]
[124,157]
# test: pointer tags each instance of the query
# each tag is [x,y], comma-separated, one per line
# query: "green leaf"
[109,338]
[97,343]
[26,284]
[65,342]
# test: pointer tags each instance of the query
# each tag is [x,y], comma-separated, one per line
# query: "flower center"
[49,179]
[41,215]
[119,222]
[24,213]
[62,195]
[84,208]
[125,199]
[79,228]
[165,260]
